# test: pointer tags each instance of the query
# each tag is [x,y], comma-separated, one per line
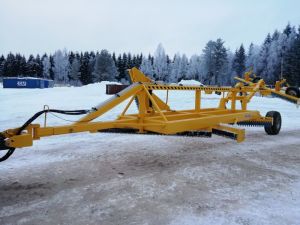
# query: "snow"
[136,179]
[190,82]
[270,212]
[27,78]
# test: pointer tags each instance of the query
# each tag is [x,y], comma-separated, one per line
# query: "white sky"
[38,26]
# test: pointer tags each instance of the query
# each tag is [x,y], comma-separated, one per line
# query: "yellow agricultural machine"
[155,115]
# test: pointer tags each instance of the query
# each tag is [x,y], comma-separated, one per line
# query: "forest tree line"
[215,65]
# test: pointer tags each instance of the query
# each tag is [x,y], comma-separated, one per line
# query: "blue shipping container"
[49,83]
[26,82]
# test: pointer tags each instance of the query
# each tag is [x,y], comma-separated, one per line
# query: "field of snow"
[147,179]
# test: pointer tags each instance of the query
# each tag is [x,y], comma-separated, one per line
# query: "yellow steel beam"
[162,105]
[208,121]
[112,102]
[238,133]
[197,100]
[137,76]
[185,88]
[155,105]
[19,141]
[128,105]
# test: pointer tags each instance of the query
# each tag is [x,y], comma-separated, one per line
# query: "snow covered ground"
[147,179]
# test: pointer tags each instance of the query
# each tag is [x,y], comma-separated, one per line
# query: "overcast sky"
[38,26]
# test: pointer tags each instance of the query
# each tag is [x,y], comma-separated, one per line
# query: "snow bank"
[190,82]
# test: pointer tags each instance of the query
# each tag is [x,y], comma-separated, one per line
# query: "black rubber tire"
[274,128]
[256,79]
[293,91]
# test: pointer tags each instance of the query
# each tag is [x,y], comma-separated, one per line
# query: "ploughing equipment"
[156,116]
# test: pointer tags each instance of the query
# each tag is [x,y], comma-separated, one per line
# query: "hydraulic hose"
[34,117]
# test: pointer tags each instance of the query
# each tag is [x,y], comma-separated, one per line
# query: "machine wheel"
[256,79]
[274,128]
[293,91]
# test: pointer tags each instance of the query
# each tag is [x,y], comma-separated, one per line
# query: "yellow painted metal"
[112,102]
[155,115]
[128,105]
[151,86]
[278,84]
[264,90]
[239,133]
[19,141]
[197,100]
[162,105]
[155,105]
[137,76]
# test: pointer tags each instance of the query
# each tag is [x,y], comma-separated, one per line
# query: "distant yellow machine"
[155,115]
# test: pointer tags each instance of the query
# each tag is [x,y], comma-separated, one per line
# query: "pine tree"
[71,57]
[184,66]
[288,30]
[160,64]
[119,66]
[8,67]
[194,69]
[51,69]
[139,60]
[230,74]
[129,61]
[105,68]
[92,62]
[239,61]
[221,62]
[151,58]
[74,73]
[31,67]
[46,67]
[22,66]
[146,67]
[122,65]
[114,58]
[19,65]
[61,66]
[292,62]
[176,70]
[262,67]
[252,57]
[215,62]
[85,73]
[280,44]
[38,66]
[2,61]
[135,61]
[208,58]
